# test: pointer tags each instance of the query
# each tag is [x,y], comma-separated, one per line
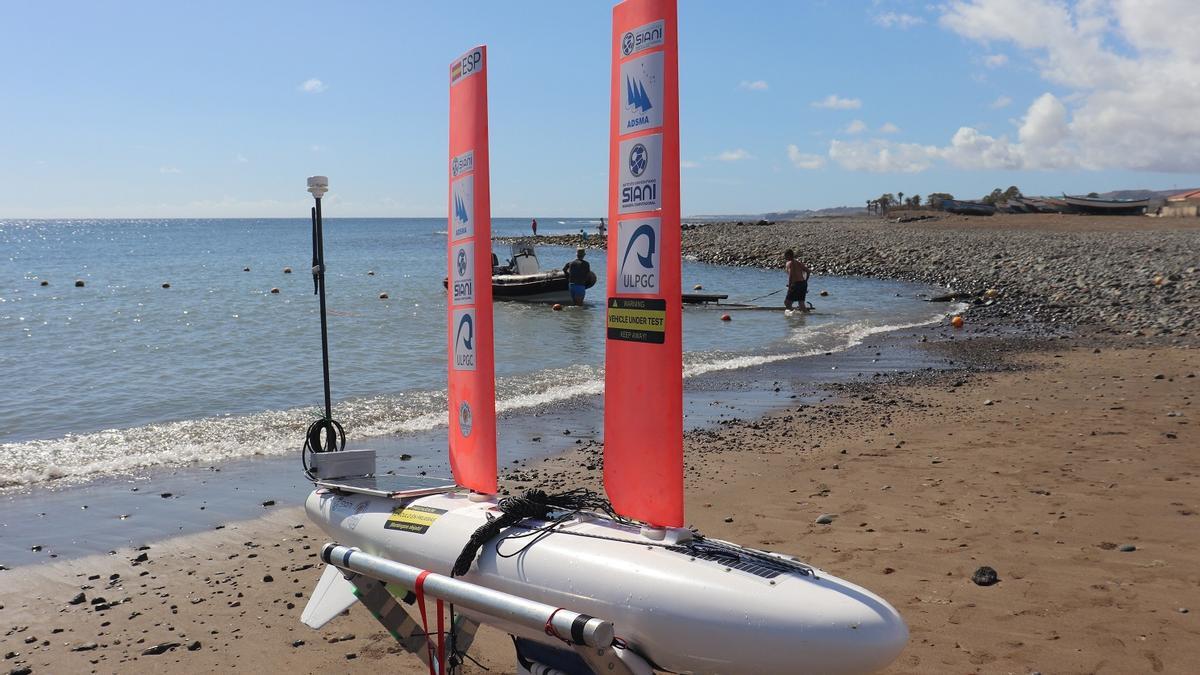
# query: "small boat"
[1107,207]
[968,208]
[524,280]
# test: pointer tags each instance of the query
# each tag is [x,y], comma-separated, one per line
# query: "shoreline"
[1046,450]
[1011,462]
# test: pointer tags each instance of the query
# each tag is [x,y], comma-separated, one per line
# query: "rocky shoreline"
[1116,276]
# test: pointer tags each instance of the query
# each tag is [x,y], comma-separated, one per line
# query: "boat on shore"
[523,279]
[964,208]
[1107,207]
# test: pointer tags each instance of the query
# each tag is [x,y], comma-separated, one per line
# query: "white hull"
[681,612]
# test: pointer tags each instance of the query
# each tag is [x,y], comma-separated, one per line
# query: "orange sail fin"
[643,379]
[471,388]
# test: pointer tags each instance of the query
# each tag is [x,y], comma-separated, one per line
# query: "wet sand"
[1044,470]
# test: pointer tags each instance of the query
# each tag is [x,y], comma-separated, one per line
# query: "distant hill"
[795,214]
[1142,194]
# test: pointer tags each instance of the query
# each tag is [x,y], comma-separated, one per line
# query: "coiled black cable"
[332,440]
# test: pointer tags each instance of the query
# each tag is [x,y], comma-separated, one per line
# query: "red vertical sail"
[643,379]
[472,383]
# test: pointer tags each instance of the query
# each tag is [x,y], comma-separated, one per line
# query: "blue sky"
[158,109]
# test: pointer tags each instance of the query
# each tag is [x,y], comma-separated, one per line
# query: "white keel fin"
[332,596]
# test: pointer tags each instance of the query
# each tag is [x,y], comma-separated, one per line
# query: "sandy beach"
[1061,454]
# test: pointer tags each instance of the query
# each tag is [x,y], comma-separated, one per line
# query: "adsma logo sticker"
[462,207]
[641,91]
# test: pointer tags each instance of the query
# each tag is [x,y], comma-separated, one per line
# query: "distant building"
[1182,205]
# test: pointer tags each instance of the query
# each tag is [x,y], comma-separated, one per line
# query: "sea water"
[122,375]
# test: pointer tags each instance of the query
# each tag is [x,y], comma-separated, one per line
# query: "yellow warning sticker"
[412,518]
[637,320]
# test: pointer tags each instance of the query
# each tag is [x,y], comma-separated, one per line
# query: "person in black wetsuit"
[577,271]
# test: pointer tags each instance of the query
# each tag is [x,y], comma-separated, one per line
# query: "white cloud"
[880,156]
[802,160]
[835,102]
[1001,102]
[856,127]
[169,169]
[1128,107]
[897,20]
[312,86]
[995,60]
[688,164]
[889,128]
[735,155]
[756,85]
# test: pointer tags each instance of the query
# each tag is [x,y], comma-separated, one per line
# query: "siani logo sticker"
[462,208]
[464,339]
[462,274]
[641,173]
[638,243]
[641,85]
[642,37]
[462,164]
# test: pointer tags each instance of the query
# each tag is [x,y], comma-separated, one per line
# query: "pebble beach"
[1026,506]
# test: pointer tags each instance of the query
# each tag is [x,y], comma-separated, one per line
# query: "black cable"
[324,434]
[333,440]
[533,504]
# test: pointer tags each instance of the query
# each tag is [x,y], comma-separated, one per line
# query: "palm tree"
[901,200]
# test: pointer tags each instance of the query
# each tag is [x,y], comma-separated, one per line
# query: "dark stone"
[79,599]
[985,576]
[1127,548]
[195,646]
[159,649]
[268,578]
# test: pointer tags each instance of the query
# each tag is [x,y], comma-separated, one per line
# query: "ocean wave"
[210,441]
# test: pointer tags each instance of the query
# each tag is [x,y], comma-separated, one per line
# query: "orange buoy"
[726,317]
[557,307]
[957,321]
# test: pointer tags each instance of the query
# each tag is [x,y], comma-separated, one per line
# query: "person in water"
[577,271]
[797,280]
[533,226]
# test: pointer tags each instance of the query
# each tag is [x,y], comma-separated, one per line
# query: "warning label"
[637,320]
[412,518]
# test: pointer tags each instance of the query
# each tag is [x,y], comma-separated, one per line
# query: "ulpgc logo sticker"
[464,339]
[462,208]
[638,245]
[643,37]
[462,274]
[641,87]
[468,65]
[461,164]
[641,174]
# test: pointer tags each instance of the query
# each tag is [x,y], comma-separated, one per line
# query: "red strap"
[441,649]
[419,589]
